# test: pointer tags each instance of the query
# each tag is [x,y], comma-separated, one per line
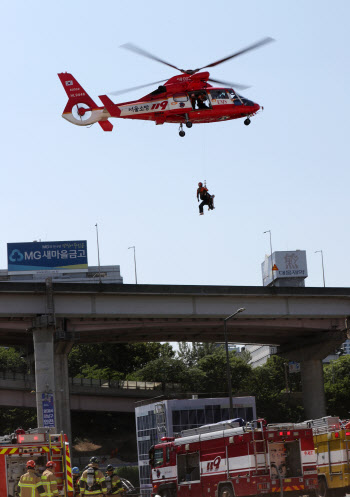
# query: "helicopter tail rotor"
[81,109]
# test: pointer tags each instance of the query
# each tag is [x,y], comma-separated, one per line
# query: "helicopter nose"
[257,107]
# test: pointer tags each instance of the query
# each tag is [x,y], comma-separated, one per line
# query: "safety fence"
[97,382]
[124,384]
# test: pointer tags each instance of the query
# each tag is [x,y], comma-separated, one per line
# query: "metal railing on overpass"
[29,379]
[124,384]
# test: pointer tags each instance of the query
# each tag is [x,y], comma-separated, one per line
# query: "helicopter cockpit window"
[180,97]
[234,97]
[245,101]
[232,93]
[218,94]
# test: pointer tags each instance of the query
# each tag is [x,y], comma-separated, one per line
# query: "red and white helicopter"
[185,99]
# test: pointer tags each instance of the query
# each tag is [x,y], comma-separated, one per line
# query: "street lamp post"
[272,275]
[133,247]
[98,254]
[324,282]
[228,369]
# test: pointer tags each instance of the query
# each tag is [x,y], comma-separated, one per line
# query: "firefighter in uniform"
[92,481]
[30,484]
[76,476]
[49,480]
[204,195]
[114,485]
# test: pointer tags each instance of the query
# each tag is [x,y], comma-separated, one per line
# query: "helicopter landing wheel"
[182,133]
[188,124]
[247,121]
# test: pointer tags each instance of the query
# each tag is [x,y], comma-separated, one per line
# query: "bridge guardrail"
[10,375]
[97,382]
[123,384]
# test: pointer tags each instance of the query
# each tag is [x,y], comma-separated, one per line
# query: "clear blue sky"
[288,171]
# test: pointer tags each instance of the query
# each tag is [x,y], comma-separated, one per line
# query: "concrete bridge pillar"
[51,377]
[43,339]
[63,422]
[310,354]
[313,388]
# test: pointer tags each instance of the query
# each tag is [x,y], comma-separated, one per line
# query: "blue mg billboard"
[35,257]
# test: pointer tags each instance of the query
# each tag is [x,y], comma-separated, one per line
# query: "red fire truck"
[39,445]
[223,460]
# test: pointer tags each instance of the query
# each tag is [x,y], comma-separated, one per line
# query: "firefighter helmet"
[75,470]
[94,460]
[109,467]
[50,464]
[30,464]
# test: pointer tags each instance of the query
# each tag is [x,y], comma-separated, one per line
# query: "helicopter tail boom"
[81,109]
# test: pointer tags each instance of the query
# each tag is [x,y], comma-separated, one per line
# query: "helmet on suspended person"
[200,184]
[50,464]
[30,464]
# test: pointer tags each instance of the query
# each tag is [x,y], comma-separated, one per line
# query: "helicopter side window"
[218,94]
[180,97]
[199,100]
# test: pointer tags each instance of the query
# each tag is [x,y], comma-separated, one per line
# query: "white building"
[260,354]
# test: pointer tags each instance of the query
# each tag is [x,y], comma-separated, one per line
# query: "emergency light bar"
[31,437]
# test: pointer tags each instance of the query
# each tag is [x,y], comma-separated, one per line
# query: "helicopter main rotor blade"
[258,44]
[227,83]
[141,51]
[119,92]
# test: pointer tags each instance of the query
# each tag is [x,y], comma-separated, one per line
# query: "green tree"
[337,387]
[215,370]
[130,473]
[165,369]
[12,418]
[94,372]
[191,353]
[245,355]
[122,358]
[268,385]
[11,359]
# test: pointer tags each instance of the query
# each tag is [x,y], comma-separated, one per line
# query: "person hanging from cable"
[204,195]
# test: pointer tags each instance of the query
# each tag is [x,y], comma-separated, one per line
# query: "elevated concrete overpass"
[306,323]
[18,390]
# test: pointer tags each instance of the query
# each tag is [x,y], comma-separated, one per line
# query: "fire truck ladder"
[256,453]
[324,425]
[58,458]
[160,420]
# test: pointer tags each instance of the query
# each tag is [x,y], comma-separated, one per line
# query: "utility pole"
[272,275]
[98,255]
[228,369]
[133,247]
[321,252]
